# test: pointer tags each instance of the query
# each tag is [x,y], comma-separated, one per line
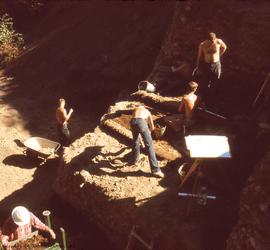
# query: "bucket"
[147,86]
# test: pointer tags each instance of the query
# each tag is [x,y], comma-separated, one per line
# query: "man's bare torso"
[60,115]
[211,50]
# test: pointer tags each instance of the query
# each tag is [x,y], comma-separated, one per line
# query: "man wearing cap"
[141,117]
[20,224]
[62,122]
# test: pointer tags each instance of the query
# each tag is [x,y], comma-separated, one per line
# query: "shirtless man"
[62,125]
[208,61]
[141,117]
[188,102]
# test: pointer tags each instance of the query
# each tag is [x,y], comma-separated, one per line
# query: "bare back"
[141,112]
[188,104]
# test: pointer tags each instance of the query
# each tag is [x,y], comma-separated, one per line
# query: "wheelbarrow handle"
[57,147]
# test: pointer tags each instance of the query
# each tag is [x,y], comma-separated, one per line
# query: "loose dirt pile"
[36,242]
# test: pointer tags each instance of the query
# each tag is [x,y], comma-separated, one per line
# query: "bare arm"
[223,47]
[150,122]
[41,226]
[69,114]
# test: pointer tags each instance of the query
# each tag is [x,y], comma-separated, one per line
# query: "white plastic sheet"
[208,146]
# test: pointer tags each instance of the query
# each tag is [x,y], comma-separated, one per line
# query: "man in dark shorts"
[62,122]
[209,66]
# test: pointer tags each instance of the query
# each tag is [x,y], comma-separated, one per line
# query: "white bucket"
[147,86]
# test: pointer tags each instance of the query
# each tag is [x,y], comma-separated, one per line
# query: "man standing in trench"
[62,122]
[209,66]
[141,117]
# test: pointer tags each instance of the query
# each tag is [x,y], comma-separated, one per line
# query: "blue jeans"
[140,127]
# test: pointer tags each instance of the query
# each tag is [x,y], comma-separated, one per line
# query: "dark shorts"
[211,71]
[64,134]
[208,80]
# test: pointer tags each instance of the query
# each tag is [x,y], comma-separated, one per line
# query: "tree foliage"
[11,42]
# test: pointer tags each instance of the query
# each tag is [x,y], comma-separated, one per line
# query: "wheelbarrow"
[37,147]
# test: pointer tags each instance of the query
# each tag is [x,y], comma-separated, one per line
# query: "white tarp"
[208,146]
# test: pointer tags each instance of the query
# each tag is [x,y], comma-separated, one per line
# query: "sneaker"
[158,174]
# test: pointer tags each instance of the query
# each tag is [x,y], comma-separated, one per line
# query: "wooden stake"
[133,235]
[261,89]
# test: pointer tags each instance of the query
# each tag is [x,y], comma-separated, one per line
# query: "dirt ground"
[28,98]
[118,195]
[26,105]
[24,182]
[119,182]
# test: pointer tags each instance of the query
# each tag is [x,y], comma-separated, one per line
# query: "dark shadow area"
[119,152]
[22,161]
[121,174]
[85,161]
[34,194]
[19,143]
[90,81]
[80,233]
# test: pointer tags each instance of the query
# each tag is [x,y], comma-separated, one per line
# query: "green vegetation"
[11,42]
